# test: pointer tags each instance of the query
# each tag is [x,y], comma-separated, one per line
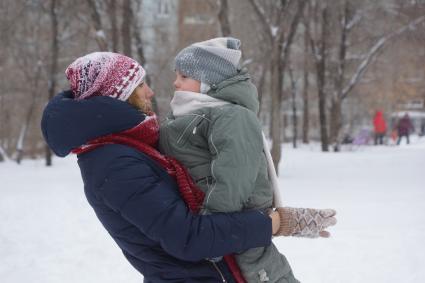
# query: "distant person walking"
[404,128]
[380,127]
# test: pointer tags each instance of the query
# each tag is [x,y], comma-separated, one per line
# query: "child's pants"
[265,264]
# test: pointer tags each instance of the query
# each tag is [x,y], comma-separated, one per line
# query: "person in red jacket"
[380,127]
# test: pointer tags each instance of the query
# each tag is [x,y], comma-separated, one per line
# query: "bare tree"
[319,44]
[223,18]
[4,40]
[280,36]
[29,115]
[140,49]
[112,12]
[3,154]
[353,68]
[53,64]
[138,39]
[306,105]
[100,34]
[294,107]
[27,67]
[345,19]
[127,18]
[343,86]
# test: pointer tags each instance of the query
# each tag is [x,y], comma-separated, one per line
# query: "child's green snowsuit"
[222,148]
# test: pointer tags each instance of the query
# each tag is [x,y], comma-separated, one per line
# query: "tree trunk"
[3,121]
[100,36]
[336,123]
[321,77]
[20,143]
[126,28]
[141,54]
[223,18]
[3,154]
[335,111]
[30,111]
[53,66]
[294,109]
[306,112]
[322,118]
[112,11]
[281,54]
[275,122]
[24,129]
[306,107]
[260,86]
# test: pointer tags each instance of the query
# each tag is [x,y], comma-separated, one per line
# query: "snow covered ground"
[48,232]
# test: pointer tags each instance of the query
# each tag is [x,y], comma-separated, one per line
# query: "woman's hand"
[275,221]
[303,222]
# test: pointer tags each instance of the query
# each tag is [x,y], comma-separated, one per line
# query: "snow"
[49,233]
[100,34]
[274,30]
[379,194]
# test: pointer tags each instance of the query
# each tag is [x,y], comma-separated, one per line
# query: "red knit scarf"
[144,137]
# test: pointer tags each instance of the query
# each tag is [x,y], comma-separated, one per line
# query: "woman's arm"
[154,206]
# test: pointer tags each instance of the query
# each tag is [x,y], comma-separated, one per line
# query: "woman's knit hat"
[211,61]
[104,74]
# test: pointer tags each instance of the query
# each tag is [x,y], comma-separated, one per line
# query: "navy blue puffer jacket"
[138,202]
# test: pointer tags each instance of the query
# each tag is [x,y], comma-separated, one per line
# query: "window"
[198,19]
[164,8]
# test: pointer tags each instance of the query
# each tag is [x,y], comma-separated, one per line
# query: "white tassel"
[277,195]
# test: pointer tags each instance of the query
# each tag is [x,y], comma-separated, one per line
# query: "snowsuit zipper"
[219,271]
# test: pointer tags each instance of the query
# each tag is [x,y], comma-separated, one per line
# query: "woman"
[134,190]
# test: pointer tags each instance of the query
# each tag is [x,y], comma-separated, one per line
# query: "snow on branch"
[374,50]
[354,20]
[101,34]
[4,154]
[267,25]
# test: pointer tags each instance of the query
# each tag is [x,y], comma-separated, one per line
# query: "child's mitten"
[305,222]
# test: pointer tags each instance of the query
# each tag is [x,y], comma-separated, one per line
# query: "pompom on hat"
[211,61]
[104,74]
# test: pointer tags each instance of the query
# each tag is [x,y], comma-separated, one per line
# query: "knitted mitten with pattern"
[305,222]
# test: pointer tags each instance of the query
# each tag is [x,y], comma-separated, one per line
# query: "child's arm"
[304,222]
[235,142]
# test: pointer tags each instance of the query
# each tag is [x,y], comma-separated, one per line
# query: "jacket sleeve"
[236,144]
[153,205]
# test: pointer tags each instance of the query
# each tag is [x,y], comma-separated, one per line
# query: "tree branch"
[267,25]
[374,50]
[100,33]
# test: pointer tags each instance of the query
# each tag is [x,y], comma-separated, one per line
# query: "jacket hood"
[237,90]
[67,123]
[379,113]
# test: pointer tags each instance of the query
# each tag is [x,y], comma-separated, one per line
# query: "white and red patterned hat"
[104,74]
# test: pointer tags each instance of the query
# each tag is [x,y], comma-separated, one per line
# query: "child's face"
[186,84]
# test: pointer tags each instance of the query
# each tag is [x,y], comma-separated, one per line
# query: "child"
[215,133]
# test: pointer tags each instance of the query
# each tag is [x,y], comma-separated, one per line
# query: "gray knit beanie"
[210,61]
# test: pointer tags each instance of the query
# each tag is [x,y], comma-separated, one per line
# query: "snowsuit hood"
[237,90]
